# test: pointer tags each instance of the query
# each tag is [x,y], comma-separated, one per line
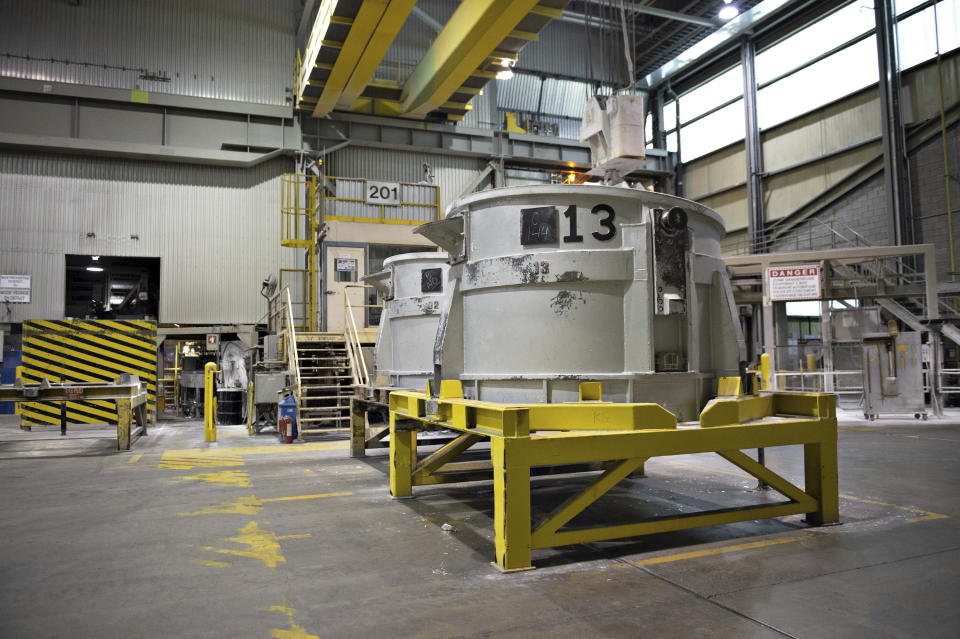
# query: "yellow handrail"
[361,375]
[280,321]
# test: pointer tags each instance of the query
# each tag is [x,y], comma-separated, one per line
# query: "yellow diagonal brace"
[394,16]
[767,476]
[576,504]
[364,24]
[446,453]
[472,33]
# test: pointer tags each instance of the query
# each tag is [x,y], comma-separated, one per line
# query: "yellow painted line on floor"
[300,536]
[251,505]
[299,497]
[295,631]
[261,544]
[211,563]
[718,551]
[222,478]
[925,515]
[190,458]
[135,459]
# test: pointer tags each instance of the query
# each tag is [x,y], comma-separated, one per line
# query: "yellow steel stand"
[622,437]
[210,402]
[18,374]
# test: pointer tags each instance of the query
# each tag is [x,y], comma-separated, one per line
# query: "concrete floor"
[249,538]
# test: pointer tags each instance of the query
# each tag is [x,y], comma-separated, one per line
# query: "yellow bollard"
[765,372]
[210,402]
[19,375]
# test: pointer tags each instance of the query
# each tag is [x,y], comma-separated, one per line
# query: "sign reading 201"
[540,224]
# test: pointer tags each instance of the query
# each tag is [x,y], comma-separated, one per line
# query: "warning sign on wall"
[793,283]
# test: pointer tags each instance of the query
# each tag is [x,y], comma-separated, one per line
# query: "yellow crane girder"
[470,36]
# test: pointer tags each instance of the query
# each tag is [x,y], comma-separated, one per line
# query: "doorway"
[345,265]
[110,287]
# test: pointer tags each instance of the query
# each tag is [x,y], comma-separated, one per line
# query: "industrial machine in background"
[412,286]
[554,285]
[270,376]
[893,374]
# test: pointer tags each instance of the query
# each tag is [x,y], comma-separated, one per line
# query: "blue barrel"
[287,414]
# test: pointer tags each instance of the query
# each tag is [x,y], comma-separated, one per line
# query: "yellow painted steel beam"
[547,12]
[391,20]
[472,33]
[315,42]
[524,35]
[364,24]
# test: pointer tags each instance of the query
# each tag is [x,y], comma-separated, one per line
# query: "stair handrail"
[361,376]
[290,342]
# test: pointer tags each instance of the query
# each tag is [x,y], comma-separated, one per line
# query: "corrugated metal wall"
[451,173]
[215,230]
[226,49]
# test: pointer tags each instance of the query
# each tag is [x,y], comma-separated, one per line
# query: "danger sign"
[793,283]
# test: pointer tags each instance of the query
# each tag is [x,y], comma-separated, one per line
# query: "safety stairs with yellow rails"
[326,382]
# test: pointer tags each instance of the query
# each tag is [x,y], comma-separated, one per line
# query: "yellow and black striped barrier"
[87,351]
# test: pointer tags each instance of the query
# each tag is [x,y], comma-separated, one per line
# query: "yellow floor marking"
[299,497]
[295,631]
[300,536]
[718,551]
[248,505]
[190,458]
[261,544]
[925,515]
[135,459]
[211,563]
[238,478]
[251,505]
[307,471]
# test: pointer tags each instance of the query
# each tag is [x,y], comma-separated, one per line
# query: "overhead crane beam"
[371,33]
[393,18]
[468,39]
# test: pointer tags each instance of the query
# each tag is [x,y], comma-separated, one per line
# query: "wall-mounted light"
[95,269]
[95,258]
[506,72]
[728,11]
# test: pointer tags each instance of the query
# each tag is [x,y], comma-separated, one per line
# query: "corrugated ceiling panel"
[563,49]
[225,49]
[215,230]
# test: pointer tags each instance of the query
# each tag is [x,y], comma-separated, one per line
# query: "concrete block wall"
[864,209]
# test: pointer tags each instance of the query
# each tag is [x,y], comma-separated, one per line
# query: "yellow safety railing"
[361,376]
[299,224]
[280,321]
[377,213]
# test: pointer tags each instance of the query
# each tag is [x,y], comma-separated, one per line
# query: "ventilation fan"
[269,286]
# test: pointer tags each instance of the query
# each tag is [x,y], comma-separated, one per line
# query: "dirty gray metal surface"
[552,285]
[412,285]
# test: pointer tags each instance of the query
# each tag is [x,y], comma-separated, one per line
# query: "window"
[712,132]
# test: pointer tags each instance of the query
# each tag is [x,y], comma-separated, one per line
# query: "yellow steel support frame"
[623,436]
[473,32]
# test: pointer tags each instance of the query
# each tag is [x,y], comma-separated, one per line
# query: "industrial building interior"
[492,318]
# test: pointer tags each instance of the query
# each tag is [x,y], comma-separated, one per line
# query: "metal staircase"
[326,382]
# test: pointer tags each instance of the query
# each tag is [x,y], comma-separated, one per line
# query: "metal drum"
[557,284]
[412,285]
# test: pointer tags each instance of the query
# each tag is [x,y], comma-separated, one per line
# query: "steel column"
[754,153]
[894,143]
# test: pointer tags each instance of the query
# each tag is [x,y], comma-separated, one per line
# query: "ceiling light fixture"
[95,269]
[506,73]
[728,11]
[95,258]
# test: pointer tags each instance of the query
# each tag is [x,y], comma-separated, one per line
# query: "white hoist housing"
[613,127]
